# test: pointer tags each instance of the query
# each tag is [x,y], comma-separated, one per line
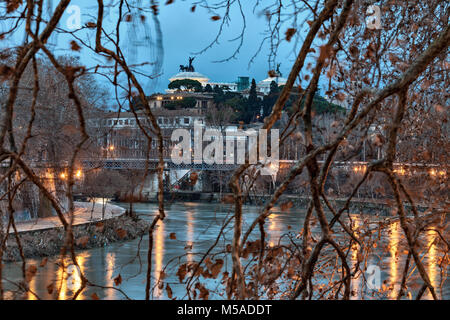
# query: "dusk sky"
[185,34]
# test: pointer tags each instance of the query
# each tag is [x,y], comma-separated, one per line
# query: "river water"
[196,224]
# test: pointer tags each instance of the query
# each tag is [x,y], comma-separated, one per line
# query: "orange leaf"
[50,288]
[169,291]
[121,233]
[30,273]
[74,46]
[215,18]
[173,236]
[118,280]
[83,241]
[286,205]
[94,296]
[91,25]
[289,33]
[43,262]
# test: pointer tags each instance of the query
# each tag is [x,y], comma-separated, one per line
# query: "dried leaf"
[12,5]
[118,280]
[83,241]
[91,25]
[173,236]
[228,199]
[74,46]
[181,273]
[215,18]
[272,73]
[325,52]
[30,273]
[286,205]
[216,267]
[50,288]
[43,262]
[169,291]
[193,177]
[289,33]
[121,233]
[99,226]
[94,296]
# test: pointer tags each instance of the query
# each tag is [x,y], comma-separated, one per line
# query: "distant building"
[203,100]
[241,85]
[119,135]
[264,85]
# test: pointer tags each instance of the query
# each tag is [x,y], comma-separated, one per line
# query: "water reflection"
[199,224]
[158,247]
[356,280]
[190,234]
[273,233]
[432,264]
[393,245]
[109,280]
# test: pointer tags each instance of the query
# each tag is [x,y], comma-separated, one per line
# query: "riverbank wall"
[47,242]
[380,207]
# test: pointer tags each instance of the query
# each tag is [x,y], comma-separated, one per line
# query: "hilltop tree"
[185,84]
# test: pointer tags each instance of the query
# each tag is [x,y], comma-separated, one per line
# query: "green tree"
[208,88]
[186,84]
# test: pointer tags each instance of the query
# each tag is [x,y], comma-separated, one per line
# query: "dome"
[264,85]
[190,75]
[279,80]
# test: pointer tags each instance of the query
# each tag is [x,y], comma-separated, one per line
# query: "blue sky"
[184,34]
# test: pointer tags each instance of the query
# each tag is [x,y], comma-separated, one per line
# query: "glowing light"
[442,173]
[78,174]
[433,172]
[432,262]
[159,255]
[394,236]
[359,168]
[62,176]
[111,148]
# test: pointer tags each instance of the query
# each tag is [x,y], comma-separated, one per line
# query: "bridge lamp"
[62,176]
[78,174]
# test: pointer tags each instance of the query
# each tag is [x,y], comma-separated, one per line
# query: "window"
[159,120]
[186,120]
